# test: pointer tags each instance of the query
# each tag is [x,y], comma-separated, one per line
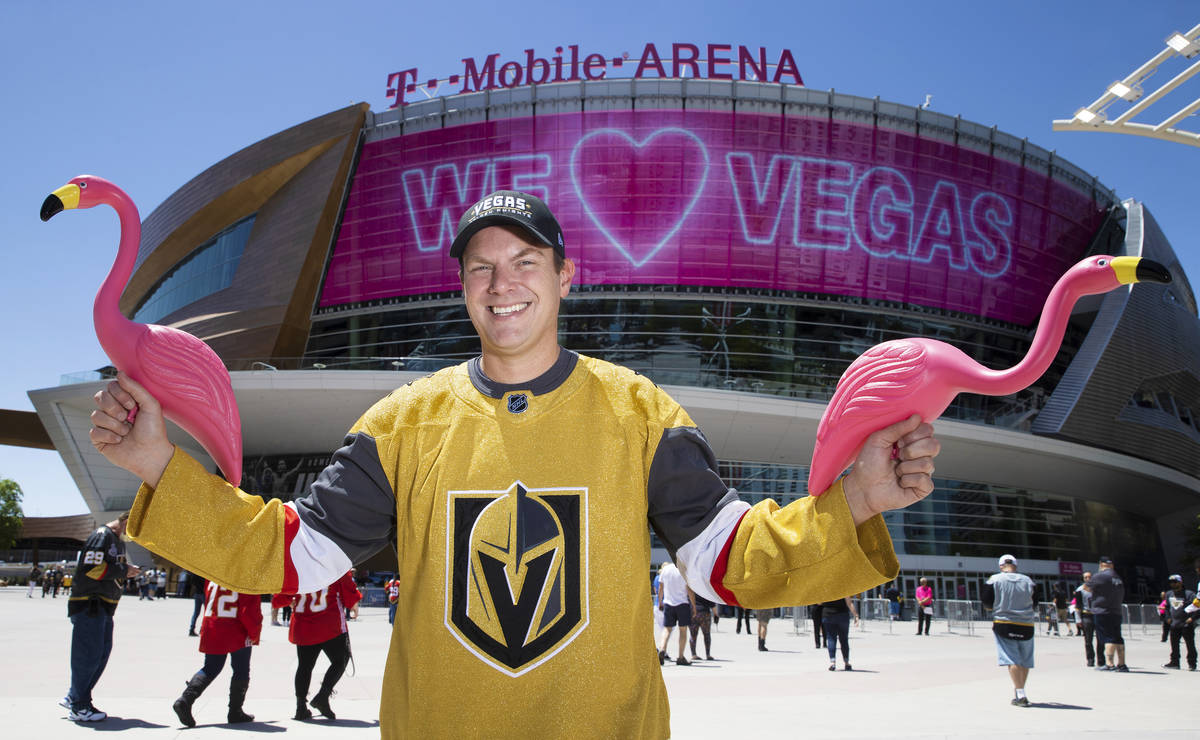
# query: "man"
[1183,625]
[677,603]
[1010,596]
[895,598]
[95,591]
[34,574]
[517,488]
[1108,595]
[924,606]
[1087,624]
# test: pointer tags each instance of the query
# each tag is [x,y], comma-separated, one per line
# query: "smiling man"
[517,488]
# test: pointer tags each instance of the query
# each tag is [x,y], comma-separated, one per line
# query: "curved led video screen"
[713,198]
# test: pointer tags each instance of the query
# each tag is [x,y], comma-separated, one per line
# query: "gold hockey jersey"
[520,516]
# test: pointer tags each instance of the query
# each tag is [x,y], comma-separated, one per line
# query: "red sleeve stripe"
[291,525]
[722,563]
[312,560]
[698,558]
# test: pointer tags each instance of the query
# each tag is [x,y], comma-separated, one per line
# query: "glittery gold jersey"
[520,518]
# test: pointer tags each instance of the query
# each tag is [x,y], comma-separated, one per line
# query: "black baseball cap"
[509,208]
[1105,559]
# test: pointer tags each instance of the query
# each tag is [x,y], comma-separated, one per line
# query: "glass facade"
[782,347]
[965,519]
[208,269]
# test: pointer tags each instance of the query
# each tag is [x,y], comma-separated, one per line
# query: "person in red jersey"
[232,626]
[392,589]
[319,625]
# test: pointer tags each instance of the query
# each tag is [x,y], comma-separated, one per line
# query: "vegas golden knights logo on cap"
[517,573]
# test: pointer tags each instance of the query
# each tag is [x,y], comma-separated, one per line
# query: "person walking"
[702,618]
[739,616]
[392,589]
[895,599]
[816,611]
[35,573]
[924,598]
[835,620]
[1087,624]
[1183,625]
[1010,597]
[232,625]
[1059,595]
[579,456]
[100,573]
[676,602]
[319,626]
[763,617]
[199,588]
[1108,596]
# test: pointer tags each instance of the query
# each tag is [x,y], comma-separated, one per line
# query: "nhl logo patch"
[516,581]
[517,403]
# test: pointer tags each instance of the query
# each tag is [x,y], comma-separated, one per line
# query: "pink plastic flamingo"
[893,380]
[182,372]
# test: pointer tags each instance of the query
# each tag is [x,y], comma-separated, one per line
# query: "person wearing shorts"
[1010,596]
[764,618]
[1108,594]
[675,600]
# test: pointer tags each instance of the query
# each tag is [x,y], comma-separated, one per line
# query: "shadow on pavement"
[113,724]
[359,723]
[1056,705]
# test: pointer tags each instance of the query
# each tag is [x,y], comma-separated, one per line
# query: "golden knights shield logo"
[516,573]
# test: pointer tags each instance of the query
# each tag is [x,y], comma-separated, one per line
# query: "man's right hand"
[140,447]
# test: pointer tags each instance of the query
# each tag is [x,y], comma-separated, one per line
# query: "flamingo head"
[1102,273]
[84,191]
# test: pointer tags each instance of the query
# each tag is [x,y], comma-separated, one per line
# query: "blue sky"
[149,95]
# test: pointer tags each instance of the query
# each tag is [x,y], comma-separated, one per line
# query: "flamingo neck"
[1046,342]
[106,310]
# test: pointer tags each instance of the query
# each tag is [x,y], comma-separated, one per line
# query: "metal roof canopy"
[1094,117]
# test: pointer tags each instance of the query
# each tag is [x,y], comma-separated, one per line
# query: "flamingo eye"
[1102,263]
[83,186]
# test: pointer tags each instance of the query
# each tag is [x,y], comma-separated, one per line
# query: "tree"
[10,512]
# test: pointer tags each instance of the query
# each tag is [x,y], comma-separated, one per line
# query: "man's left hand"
[893,470]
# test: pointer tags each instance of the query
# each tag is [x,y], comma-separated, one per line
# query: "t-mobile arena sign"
[803,205]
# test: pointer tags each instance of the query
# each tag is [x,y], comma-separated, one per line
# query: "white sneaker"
[86,714]
[65,702]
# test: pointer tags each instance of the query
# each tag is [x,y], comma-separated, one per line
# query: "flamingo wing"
[193,386]
[870,395]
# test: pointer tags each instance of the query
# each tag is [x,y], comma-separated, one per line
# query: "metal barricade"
[1145,616]
[961,615]
[801,619]
[872,610]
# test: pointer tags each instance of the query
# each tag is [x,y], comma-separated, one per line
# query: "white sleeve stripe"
[317,559]
[698,556]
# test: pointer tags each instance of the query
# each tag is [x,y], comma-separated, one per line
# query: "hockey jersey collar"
[542,384]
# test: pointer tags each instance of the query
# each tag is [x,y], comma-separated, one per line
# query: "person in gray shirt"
[1010,597]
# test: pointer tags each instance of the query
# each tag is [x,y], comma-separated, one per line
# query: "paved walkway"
[941,686]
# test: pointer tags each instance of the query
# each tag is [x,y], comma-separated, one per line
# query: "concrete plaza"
[945,685]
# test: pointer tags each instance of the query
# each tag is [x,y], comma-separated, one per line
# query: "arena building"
[739,242]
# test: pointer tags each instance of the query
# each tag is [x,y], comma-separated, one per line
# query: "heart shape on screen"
[638,193]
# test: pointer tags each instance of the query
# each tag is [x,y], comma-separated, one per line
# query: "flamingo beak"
[65,197]
[1149,271]
[1138,270]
